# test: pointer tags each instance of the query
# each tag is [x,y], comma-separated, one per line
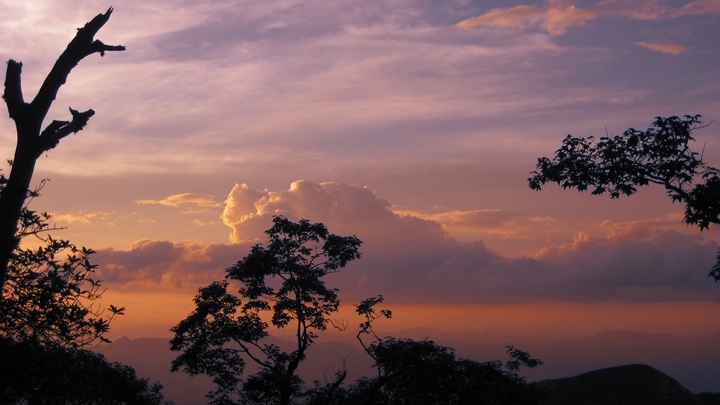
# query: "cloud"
[414,260]
[81,217]
[557,16]
[513,17]
[415,257]
[482,222]
[149,265]
[636,262]
[193,201]
[672,49]
[699,7]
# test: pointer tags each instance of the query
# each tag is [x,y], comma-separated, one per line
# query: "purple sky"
[412,124]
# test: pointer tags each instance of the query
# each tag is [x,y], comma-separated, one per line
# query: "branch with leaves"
[619,164]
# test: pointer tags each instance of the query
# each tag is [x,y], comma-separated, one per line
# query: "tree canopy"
[284,279]
[47,374]
[619,164]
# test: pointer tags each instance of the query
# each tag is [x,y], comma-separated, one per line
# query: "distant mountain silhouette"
[692,361]
[635,384]
[151,358]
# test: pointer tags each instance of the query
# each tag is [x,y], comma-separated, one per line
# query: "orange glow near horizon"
[153,316]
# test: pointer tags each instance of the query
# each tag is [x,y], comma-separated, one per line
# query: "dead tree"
[32,140]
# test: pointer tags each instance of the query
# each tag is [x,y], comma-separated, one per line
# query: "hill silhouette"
[635,384]
[692,361]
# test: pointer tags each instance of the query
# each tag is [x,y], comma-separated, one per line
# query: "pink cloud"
[557,16]
[416,260]
[514,17]
[672,49]
[192,201]
[149,265]
[699,7]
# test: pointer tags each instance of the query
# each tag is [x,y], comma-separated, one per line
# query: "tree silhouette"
[44,299]
[425,373]
[284,279]
[49,301]
[32,140]
[48,308]
[48,374]
[619,164]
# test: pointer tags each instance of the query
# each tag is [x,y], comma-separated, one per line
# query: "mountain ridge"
[690,360]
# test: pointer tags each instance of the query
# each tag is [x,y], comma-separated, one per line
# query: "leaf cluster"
[49,295]
[619,164]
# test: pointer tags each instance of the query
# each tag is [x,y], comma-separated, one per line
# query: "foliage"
[49,296]
[47,374]
[423,372]
[284,279]
[619,164]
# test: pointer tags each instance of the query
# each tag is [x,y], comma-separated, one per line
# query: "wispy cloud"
[81,217]
[187,200]
[699,7]
[478,224]
[671,49]
[557,16]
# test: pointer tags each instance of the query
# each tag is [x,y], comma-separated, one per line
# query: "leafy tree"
[48,374]
[283,279]
[32,140]
[620,164]
[423,372]
[49,296]
[43,298]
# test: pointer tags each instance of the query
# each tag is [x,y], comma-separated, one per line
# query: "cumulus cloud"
[672,49]
[415,257]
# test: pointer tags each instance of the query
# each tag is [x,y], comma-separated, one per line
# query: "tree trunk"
[29,117]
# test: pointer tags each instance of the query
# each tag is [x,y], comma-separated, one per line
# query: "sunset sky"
[412,124]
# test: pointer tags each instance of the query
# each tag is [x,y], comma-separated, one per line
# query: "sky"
[412,124]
